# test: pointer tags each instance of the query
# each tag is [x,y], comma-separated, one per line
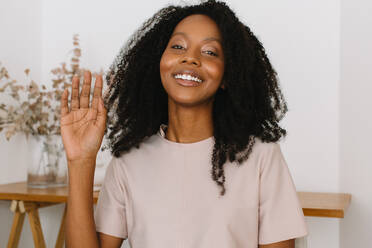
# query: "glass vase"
[46,167]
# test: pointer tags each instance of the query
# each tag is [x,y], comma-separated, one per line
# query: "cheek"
[166,63]
[166,67]
[215,71]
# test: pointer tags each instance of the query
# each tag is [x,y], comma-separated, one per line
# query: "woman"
[194,106]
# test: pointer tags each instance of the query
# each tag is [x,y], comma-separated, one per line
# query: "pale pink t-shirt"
[162,196]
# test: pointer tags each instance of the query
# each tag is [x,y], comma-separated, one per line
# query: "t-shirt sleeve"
[110,215]
[280,213]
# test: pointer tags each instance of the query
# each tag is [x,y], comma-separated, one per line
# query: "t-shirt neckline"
[161,134]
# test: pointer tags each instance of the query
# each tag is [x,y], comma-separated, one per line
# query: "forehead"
[198,25]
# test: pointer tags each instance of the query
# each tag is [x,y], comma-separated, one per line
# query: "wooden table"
[318,204]
[28,200]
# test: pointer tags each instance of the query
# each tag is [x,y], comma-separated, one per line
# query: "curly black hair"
[250,106]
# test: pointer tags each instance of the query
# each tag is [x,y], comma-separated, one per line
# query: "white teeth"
[188,77]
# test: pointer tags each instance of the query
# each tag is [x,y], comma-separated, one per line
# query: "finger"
[97,92]
[64,103]
[75,93]
[85,91]
[102,112]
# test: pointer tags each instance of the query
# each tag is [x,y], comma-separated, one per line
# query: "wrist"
[87,161]
[81,169]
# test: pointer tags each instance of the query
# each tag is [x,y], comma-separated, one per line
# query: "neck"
[189,124]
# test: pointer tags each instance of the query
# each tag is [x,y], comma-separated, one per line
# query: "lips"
[188,72]
[187,82]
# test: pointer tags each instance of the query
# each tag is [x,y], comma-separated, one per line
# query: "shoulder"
[267,154]
[262,148]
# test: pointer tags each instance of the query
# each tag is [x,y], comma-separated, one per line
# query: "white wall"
[356,121]
[302,39]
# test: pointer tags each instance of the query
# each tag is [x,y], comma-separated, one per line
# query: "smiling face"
[192,65]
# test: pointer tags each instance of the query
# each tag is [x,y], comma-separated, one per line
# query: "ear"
[222,84]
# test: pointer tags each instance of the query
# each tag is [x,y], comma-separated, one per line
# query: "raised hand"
[83,126]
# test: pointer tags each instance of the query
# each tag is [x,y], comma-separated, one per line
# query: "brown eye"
[174,46]
[211,53]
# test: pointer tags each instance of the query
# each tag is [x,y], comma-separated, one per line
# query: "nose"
[190,59]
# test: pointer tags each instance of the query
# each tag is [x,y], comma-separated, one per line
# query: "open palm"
[83,124]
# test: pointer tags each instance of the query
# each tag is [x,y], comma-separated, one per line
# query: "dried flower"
[36,110]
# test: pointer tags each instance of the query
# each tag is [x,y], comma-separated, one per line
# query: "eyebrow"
[206,39]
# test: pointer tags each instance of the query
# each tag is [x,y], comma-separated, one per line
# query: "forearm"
[80,226]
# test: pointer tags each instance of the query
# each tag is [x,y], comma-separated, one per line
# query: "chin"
[188,101]
[184,101]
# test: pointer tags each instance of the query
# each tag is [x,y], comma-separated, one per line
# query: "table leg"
[61,234]
[16,230]
[34,219]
